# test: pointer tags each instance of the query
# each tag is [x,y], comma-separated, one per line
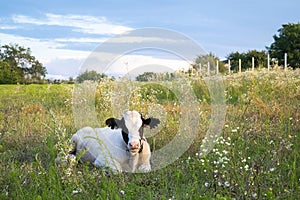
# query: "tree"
[90,75]
[20,63]
[211,59]
[146,76]
[287,41]
[7,76]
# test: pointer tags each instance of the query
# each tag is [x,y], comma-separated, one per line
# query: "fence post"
[229,66]
[268,62]
[240,65]
[253,64]
[217,67]
[208,69]
[285,61]
[200,67]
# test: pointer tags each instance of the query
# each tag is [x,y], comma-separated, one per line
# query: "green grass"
[256,156]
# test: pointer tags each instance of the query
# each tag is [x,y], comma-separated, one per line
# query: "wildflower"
[285,190]
[225,152]
[227,184]
[246,167]
[122,192]
[289,147]
[77,191]
[254,195]
[227,143]
[206,184]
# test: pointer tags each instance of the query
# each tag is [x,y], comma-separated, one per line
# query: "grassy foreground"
[257,155]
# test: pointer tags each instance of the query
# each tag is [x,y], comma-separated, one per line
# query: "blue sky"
[62,34]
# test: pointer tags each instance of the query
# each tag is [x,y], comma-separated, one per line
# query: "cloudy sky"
[62,34]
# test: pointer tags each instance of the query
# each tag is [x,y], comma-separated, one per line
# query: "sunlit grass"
[256,156]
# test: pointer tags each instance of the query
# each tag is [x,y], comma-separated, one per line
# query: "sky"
[63,34]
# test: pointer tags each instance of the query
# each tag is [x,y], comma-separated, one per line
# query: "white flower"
[272,169]
[227,143]
[246,167]
[122,192]
[227,184]
[225,152]
[77,191]
[206,184]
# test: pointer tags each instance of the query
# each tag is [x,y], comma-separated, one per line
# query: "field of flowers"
[256,155]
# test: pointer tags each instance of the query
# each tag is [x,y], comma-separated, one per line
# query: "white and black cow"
[121,146]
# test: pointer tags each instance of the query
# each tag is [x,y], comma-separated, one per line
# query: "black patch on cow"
[120,123]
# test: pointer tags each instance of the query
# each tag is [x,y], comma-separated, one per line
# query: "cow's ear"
[151,122]
[112,123]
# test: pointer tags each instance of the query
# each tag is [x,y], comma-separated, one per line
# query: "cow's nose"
[134,145]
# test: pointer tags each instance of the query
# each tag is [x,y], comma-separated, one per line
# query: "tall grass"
[256,156]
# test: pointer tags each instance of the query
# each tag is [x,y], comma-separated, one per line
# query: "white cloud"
[140,39]
[81,40]
[79,23]
[8,27]
[44,50]
[133,65]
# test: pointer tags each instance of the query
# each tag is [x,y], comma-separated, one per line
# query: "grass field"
[257,155]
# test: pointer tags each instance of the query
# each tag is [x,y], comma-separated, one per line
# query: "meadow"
[256,155]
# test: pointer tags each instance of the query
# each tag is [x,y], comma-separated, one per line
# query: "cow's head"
[132,125]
